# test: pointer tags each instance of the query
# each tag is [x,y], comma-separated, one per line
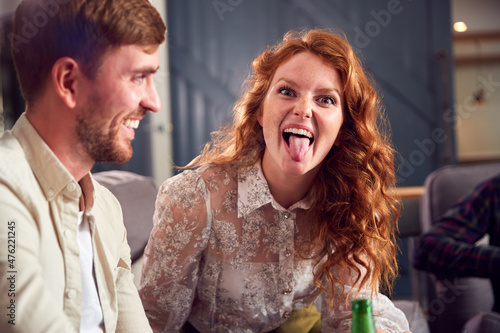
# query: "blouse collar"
[253,192]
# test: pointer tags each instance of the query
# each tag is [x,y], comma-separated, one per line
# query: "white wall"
[477,127]
[161,133]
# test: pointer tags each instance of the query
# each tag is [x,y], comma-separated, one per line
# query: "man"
[86,72]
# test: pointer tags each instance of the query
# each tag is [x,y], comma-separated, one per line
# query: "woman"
[287,204]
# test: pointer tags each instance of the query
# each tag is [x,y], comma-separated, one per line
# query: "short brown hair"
[46,30]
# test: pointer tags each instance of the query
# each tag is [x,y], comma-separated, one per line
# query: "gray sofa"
[455,304]
[137,195]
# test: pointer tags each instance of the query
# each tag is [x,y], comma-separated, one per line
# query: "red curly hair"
[354,214]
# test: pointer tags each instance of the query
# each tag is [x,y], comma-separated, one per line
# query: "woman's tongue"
[299,146]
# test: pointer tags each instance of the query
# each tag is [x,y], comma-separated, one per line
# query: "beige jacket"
[40,284]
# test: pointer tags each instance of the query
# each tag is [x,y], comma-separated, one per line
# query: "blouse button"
[286,314]
[286,215]
[288,253]
[67,233]
[287,291]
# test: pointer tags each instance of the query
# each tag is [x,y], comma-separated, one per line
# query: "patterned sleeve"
[449,249]
[338,319]
[172,256]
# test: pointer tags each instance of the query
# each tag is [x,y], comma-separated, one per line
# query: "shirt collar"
[51,174]
[253,192]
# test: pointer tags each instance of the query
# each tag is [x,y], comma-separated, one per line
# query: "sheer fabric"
[222,255]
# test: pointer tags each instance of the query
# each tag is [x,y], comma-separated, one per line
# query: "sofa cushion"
[414,314]
[484,322]
[137,195]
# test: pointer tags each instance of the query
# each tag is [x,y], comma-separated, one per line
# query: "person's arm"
[24,296]
[449,248]
[179,236]
[387,317]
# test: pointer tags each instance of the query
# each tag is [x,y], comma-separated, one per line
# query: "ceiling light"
[460,26]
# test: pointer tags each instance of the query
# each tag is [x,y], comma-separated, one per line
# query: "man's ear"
[259,116]
[65,73]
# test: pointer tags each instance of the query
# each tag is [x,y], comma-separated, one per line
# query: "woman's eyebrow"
[324,90]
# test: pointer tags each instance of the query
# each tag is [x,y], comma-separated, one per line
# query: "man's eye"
[286,91]
[139,77]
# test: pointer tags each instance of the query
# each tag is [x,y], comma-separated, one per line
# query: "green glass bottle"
[362,317]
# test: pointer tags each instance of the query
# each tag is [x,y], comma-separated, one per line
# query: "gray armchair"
[453,302]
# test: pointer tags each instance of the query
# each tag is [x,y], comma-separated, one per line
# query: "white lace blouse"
[222,256]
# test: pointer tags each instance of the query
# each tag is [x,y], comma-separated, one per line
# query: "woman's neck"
[288,189]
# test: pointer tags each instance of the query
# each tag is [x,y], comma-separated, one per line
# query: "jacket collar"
[51,174]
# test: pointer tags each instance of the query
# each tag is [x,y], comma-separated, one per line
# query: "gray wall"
[406,46]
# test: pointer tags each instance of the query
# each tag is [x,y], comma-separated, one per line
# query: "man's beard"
[102,145]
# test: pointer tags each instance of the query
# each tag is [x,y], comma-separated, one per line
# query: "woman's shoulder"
[201,179]
[219,173]
[185,180]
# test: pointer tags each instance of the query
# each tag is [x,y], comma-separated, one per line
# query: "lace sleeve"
[179,236]
[338,319]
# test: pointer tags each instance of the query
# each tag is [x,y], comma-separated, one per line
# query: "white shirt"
[91,320]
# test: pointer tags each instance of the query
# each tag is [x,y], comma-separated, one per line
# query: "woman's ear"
[65,73]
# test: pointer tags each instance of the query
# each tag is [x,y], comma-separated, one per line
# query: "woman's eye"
[327,100]
[286,91]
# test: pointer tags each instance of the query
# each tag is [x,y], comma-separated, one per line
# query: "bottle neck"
[362,318]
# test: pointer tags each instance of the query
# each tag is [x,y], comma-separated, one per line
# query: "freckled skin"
[305,93]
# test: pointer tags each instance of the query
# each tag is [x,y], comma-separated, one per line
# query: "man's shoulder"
[10,146]
[14,167]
